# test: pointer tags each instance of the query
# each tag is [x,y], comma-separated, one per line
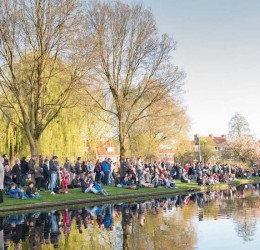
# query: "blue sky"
[219,49]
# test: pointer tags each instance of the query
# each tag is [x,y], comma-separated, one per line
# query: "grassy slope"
[114,192]
[75,194]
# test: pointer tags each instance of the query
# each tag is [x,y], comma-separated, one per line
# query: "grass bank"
[76,197]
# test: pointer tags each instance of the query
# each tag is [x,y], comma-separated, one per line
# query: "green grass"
[114,192]
[76,194]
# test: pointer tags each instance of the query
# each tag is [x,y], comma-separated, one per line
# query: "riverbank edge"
[123,198]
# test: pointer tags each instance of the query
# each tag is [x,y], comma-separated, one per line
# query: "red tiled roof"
[219,140]
[103,151]
[167,151]
[169,159]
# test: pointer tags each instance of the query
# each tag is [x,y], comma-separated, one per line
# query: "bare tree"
[133,70]
[38,69]
[238,126]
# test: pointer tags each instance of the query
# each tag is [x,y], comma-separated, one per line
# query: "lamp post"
[199,149]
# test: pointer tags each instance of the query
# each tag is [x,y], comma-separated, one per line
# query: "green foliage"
[50,56]
[184,150]
[206,148]
[73,133]
[12,140]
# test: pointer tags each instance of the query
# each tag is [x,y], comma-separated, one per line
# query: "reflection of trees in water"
[243,211]
[175,231]
[157,224]
[246,229]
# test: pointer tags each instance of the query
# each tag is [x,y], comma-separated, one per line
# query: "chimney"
[196,139]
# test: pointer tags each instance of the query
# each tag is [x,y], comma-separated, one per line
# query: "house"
[107,149]
[218,146]
[167,155]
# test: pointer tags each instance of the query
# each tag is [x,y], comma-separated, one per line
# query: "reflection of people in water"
[108,217]
[54,234]
[66,222]
[141,211]
[45,228]
[1,233]
[79,221]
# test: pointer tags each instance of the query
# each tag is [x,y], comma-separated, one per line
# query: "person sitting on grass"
[170,182]
[127,184]
[16,193]
[142,183]
[88,185]
[74,182]
[184,178]
[163,180]
[147,175]
[30,191]
[200,180]
[156,181]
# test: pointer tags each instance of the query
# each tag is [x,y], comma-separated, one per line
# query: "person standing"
[17,174]
[46,174]
[139,169]
[38,178]
[1,179]
[41,160]
[24,170]
[97,171]
[54,167]
[124,168]
[31,165]
[6,161]
[64,180]
[90,167]
[78,166]
[67,165]
[105,165]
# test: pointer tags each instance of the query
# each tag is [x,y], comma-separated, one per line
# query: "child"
[64,180]
[31,192]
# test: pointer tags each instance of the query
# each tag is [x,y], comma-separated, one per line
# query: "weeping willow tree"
[12,139]
[39,62]
[73,133]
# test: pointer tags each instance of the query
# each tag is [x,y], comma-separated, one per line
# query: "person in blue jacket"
[95,188]
[106,168]
[16,193]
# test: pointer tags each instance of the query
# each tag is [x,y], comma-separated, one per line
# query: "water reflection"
[171,223]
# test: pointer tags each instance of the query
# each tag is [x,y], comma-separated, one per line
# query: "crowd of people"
[45,228]
[48,174]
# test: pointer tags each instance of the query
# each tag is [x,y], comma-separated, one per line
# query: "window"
[110,149]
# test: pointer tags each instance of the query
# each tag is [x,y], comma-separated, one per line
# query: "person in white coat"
[2,174]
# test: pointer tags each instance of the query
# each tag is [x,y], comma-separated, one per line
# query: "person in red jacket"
[64,180]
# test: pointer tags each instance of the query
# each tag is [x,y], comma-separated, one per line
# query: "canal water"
[214,220]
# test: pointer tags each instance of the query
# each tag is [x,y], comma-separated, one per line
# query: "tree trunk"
[122,140]
[34,147]
[33,142]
